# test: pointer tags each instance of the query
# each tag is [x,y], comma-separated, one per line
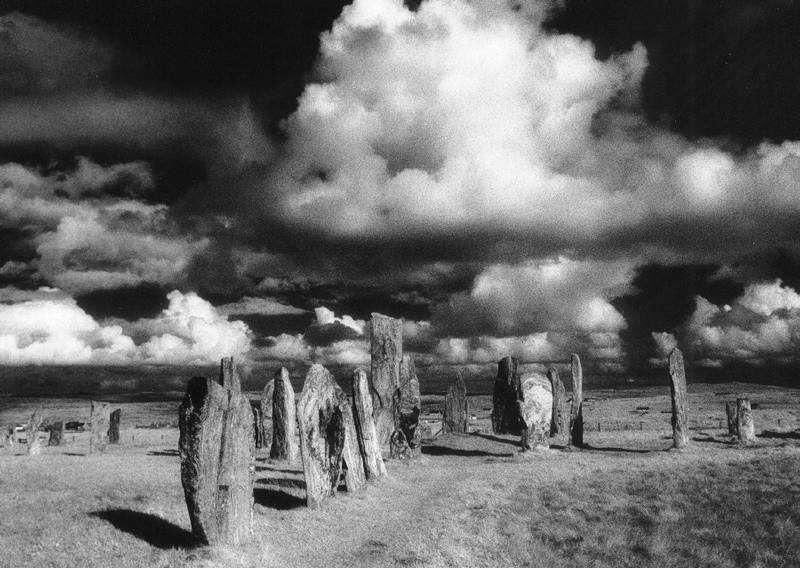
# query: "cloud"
[261,306]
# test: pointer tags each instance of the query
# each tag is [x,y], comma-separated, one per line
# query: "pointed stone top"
[675,361]
[282,373]
[552,373]
[316,377]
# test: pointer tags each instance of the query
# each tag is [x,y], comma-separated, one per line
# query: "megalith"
[100,418]
[733,418]
[258,426]
[266,414]
[559,421]
[56,433]
[505,410]
[455,416]
[536,409]
[113,426]
[406,441]
[229,375]
[386,351]
[744,423]
[217,451]
[576,409]
[365,427]
[284,419]
[32,434]
[680,400]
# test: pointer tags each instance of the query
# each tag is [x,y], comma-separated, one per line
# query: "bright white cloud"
[327,317]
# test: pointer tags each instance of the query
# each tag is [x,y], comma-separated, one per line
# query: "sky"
[184,180]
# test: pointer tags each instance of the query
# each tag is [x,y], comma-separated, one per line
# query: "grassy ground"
[470,500]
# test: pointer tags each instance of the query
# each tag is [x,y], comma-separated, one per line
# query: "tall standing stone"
[229,375]
[217,450]
[505,410]
[56,433]
[365,427]
[10,438]
[733,418]
[406,441]
[113,426]
[559,420]
[386,350]
[258,427]
[266,414]
[455,416]
[32,434]
[680,401]
[536,409]
[284,419]
[576,409]
[100,417]
[328,439]
[745,426]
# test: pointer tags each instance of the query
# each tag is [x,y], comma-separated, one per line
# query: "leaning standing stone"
[284,419]
[733,418]
[745,425]
[559,420]
[536,409]
[680,415]
[217,449]
[505,410]
[113,426]
[32,434]
[355,479]
[266,414]
[365,427]
[100,419]
[576,410]
[456,408]
[386,350]
[56,433]
[406,439]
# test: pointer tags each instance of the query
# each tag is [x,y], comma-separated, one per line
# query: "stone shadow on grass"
[277,499]
[152,529]
[283,482]
[445,451]
[613,449]
[167,453]
[780,435]
[513,442]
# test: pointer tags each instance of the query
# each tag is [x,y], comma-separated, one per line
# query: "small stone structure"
[744,423]
[266,414]
[560,420]
[455,416]
[575,438]
[536,409]
[365,427]
[113,426]
[284,419]
[56,433]
[217,450]
[733,418]
[386,350]
[34,442]
[406,441]
[505,410]
[100,417]
[680,401]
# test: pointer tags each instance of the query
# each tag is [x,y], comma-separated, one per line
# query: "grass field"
[471,500]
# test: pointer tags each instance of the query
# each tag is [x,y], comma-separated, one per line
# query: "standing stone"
[328,439]
[32,434]
[266,414]
[365,427]
[559,420]
[56,433]
[100,419]
[386,350]
[456,407]
[733,418]
[680,415]
[745,425]
[505,410]
[229,375]
[10,438]
[284,419]
[258,427]
[113,426]
[576,409]
[406,439]
[217,450]
[536,409]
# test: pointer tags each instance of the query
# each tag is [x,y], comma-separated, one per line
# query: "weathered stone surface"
[284,419]
[680,401]
[365,427]
[328,439]
[100,418]
[576,409]
[113,426]
[560,420]
[266,414]
[258,426]
[229,375]
[10,438]
[536,409]
[733,418]
[744,424]
[56,433]
[386,350]
[455,415]
[406,441]
[32,434]
[505,410]
[217,450]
